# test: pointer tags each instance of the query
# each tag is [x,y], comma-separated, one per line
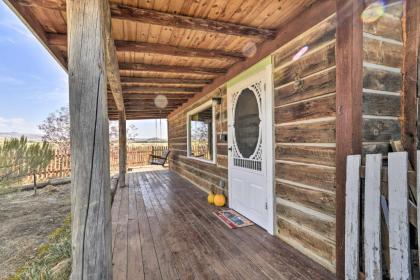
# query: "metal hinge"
[266,206]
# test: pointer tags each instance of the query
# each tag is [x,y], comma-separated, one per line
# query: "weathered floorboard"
[171,233]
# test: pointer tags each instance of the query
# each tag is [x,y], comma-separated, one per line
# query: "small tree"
[38,157]
[56,128]
[132,132]
[12,160]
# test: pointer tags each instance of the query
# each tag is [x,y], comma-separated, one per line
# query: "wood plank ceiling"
[171,48]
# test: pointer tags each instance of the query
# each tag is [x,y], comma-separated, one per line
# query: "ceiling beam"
[174,81]
[60,41]
[154,17]
[314,14]
[171,69]
[134,96]
[111,59]
[33,24]
[153,89]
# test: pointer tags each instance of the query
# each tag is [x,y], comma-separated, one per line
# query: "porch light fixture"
[217,100]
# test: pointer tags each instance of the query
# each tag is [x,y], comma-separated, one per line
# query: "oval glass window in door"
[247,123]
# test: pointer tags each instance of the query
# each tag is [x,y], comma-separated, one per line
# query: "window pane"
[247,123]
[201,134]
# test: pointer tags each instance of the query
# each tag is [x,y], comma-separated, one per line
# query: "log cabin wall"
[382,79]
[206,176]
[304,87]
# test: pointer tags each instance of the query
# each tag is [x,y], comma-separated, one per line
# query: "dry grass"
[55,253]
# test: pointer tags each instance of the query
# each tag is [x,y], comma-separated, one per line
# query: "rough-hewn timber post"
[349,60]
[90,178]
[123,148]
[409,98]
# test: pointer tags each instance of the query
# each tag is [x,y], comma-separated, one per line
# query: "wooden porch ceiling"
[175,48]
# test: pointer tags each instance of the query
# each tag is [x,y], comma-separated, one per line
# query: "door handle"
[230,149]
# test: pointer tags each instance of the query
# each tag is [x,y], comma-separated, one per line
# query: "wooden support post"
[122,149]
[349,60]
[409,98]
[90,178]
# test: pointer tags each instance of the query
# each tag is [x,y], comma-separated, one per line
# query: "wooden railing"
[137,156]
[381,206]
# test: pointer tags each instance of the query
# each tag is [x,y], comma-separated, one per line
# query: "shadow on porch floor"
[163,228]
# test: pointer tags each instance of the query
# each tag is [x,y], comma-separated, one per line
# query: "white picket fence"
[393,215]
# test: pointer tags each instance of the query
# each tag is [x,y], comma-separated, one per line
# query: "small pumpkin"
[219,200]
[210,198]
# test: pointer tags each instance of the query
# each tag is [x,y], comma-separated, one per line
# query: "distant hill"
[30,136]
[150,140]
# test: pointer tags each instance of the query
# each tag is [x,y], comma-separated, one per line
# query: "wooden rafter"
[125,12]
[60,41]
[153,89]
[169,96]
[36,27]
[171,69]
[313,15]
[173,81]
[112,69]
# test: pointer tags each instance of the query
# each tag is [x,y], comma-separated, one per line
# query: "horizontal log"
[311,86]
[315,176]
[306,154]
[60,41]
[309,64]
[135,14]
[320,132]
[318,35]
[381,80]
[376,130]
[169,96]
[381,104]
[161,89]
[314,244]
[325,228]
[193,23]
[174,81]
[172,69]
[305,110]
[314,199]
[383,53]
[387,26]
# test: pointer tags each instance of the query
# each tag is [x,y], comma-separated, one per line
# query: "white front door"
[250,148]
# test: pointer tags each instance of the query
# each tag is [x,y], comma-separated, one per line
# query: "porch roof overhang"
[178,49]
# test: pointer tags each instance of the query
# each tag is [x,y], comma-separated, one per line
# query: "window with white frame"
[202,133]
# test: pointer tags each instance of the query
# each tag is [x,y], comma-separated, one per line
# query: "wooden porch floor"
[163,228]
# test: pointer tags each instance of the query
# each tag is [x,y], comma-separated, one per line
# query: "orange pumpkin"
[219,200]
[210,198]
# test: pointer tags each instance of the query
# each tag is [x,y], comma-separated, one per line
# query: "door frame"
[267,71]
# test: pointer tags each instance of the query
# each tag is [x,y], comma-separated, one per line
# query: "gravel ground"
[26,221]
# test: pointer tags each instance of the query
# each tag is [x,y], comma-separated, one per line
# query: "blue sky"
[32,83]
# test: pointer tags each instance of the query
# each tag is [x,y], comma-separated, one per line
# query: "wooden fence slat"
[372,218]
[352,217]
[399,239]
[418,199]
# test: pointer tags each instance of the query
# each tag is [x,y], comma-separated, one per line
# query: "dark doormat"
[232,219]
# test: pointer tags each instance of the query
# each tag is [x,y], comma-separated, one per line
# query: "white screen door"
[249,122]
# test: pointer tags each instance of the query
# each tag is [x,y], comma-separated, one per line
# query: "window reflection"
[201,134]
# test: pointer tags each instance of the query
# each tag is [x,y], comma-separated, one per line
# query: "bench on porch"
[159,160]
